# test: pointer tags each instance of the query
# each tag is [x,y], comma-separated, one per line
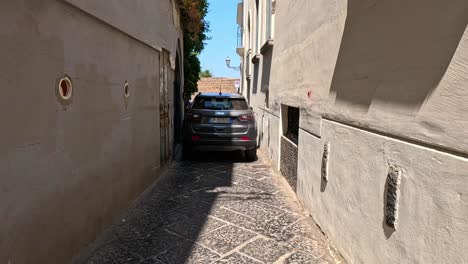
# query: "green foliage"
[193,13]
[206,74]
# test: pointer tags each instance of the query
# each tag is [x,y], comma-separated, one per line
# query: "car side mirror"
[251,108]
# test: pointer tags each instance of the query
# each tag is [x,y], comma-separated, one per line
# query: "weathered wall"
[433,215]
[402,76]
[67,173]
[384,82]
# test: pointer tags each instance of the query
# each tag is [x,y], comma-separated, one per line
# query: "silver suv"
[220,122]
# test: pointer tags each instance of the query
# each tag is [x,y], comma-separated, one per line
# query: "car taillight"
[196,138]
[244,138]
[249,117]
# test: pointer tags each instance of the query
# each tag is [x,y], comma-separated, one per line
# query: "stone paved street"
[227,211]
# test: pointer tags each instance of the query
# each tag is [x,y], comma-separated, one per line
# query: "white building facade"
[362,106]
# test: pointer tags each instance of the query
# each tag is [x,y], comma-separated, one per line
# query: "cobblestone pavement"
[227,211]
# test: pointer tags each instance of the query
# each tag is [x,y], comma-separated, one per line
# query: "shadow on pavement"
[214,209]
[167,220]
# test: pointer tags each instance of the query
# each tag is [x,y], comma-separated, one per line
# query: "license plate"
[220,120]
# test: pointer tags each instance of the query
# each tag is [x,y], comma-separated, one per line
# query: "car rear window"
[216,103]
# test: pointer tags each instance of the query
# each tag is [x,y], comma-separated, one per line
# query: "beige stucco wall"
[403,76]
[433,215]
[385,83]
[65,174]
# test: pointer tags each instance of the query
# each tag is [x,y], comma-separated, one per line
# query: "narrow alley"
[339,132]
[215,212]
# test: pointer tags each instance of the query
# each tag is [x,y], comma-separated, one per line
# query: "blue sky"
[223,32]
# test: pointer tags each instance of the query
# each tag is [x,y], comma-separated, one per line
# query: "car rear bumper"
[223,144]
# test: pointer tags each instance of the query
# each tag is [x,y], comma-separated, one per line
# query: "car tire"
[251,154]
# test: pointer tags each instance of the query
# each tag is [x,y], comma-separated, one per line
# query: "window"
[216,103]
[291,131]
[257,26]
[269,14]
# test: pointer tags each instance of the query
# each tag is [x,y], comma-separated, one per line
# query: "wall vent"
[126,90]
[65,89]
[325,161]
[392,196]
